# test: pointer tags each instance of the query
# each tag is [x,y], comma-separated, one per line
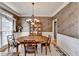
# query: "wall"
[18,22]
[68,20]
[68,24]
[6,16]
[68,44]
[25,25]
[46,23]
[46,26]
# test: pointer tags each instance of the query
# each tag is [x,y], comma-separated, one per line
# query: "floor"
[54,52]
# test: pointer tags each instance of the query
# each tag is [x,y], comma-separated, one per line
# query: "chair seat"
[43,44]
[14,44]
[30,49]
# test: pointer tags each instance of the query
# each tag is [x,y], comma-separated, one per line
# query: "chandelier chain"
[33,9]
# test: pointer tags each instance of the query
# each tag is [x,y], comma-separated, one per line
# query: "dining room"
[30,29]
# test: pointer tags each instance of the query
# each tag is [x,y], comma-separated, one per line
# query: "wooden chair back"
[31,44]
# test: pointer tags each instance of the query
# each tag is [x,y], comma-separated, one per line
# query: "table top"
[39,39]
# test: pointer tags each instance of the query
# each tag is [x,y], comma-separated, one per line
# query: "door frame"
[55,30]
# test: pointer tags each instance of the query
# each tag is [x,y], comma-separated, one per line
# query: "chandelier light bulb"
[29,20]
[32,23]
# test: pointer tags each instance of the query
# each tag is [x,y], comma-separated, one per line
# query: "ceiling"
[47,9]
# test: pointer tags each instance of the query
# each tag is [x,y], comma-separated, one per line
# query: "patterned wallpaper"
[68,20]
[46,23]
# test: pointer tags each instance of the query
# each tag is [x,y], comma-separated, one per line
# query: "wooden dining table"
[38,39]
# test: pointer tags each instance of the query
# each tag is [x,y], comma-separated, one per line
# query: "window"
[6,27]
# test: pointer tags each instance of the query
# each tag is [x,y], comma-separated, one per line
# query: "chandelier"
[32,20]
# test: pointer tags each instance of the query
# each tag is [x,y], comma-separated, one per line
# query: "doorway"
[55,30]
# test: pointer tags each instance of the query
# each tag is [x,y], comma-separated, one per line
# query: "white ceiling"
[40,8]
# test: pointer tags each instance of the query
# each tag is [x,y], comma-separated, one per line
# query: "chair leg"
[35,53]
[49,49]
[41,49]
[46,50]
[8,47]
[25,53]
[17,50]
[24,49]
[37,49]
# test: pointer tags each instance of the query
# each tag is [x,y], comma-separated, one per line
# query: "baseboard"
[64,51]
[4,48]
[61,50]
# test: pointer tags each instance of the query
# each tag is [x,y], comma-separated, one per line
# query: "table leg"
[17,50]
[46,49]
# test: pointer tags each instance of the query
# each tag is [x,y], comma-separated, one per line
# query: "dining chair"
[11,42]
[47,43]
[30,46]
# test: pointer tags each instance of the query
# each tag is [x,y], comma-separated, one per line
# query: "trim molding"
[61,7]
[13,10]
[7,8]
